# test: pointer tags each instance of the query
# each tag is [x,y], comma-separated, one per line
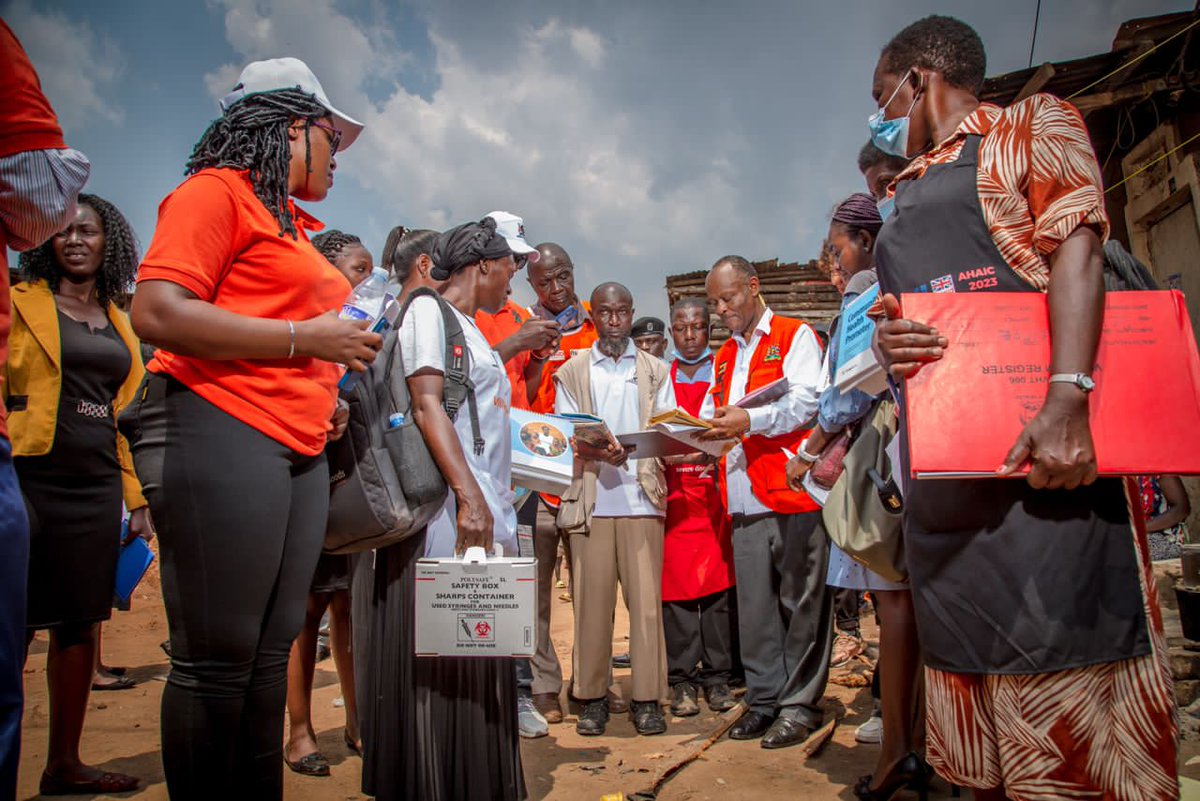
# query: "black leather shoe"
[684,702]
[719,698]
[752,726]
[785,732]
[593,719]
[648,717]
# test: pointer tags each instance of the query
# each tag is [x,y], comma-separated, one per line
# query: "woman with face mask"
[1045,660]
[853,231]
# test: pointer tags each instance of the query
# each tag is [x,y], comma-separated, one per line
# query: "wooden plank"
[1089,103]
[1036,82]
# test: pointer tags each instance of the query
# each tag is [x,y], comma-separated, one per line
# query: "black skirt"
[333,573]
[73,494]
[434,728]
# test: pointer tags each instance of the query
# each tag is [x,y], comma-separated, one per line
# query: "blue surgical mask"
[886,207]
[706,354]
[891,136]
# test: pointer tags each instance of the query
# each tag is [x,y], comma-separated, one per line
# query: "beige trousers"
[628,550]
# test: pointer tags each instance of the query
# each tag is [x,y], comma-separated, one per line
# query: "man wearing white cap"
[233,420]
[512,330]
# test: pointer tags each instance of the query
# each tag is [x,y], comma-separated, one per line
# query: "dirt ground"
[121,734]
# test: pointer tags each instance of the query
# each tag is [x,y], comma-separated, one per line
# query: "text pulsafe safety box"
[476,606]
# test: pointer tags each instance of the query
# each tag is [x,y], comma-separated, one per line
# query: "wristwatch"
[1081,380]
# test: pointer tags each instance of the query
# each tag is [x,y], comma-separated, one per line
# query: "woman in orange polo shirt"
[230,428]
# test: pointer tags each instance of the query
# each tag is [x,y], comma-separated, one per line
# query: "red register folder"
[965,411]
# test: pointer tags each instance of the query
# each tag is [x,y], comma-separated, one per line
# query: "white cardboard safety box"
[476,606]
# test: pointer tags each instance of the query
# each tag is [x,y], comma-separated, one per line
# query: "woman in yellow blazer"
[73,364]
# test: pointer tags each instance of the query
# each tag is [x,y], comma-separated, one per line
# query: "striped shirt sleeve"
[38,190]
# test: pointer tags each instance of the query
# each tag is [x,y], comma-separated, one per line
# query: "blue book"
[132,564]
[856,364]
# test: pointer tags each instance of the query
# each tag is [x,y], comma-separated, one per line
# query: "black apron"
[1005,578]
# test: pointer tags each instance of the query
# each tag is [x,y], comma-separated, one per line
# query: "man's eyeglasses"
[520,259]
[335,136]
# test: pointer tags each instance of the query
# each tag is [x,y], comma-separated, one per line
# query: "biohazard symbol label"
[477,627]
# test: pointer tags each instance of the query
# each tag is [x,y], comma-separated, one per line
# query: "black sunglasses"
[335,136]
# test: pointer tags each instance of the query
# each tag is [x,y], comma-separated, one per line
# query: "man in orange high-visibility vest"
[780,550]
[552,278]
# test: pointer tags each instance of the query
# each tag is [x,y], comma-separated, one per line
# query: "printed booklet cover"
[542,458]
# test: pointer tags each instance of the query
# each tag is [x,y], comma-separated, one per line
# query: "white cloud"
[342,53]
[535,136]
[644,141]
[78,67]
[588,46]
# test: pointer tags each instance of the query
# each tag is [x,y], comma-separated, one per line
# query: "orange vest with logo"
[766,464]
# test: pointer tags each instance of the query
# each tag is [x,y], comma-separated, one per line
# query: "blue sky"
[646,138]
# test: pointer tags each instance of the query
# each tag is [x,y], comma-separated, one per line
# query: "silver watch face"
[1085,382]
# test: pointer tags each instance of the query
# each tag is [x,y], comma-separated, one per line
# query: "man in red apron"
[699,607]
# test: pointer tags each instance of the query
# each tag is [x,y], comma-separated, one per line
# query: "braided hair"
[331,243]
[117,271]
[252,135]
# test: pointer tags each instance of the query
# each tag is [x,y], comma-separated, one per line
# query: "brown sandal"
[107,784]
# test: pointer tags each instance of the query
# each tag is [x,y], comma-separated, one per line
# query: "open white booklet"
[674,433]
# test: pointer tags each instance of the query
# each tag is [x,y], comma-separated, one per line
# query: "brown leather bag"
[828,467]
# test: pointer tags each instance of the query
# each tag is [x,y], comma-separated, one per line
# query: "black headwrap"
[467,244]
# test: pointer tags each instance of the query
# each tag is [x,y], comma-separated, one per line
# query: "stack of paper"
[857,365]
[542,458]
[673,433]
[764,395]
[589,429]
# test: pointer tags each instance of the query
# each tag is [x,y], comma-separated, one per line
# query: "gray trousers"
[547,671]
[785,613]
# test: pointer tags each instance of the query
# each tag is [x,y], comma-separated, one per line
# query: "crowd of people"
[1008,666]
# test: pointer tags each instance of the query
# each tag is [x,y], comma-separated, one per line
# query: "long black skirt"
[434,728]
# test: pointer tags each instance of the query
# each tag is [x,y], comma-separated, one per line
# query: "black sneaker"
[719,698]
[593,719]
[648,717]
[684,702]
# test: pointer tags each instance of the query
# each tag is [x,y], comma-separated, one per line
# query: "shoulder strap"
[457,385]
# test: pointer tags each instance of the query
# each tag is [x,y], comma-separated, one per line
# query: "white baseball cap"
[275,74]
[512,228]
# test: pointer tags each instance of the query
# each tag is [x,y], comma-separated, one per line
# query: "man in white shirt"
[614,513]
[780,550]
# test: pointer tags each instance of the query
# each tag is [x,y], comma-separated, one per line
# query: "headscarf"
[467,244]
[859,211]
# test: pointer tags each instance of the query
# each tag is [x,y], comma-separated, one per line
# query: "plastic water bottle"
[366,300]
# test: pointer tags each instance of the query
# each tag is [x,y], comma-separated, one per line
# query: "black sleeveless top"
[1005,578]
[95,363]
